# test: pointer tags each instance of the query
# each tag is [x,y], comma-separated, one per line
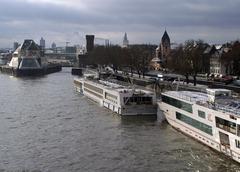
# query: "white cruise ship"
[212,118]
[120,99]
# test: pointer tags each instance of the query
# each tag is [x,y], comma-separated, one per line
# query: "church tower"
[125,41]
[163,51]
[165,46]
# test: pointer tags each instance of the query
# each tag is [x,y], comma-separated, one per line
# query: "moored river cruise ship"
[212,118]
[120,99]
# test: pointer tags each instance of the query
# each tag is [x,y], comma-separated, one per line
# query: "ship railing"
[219,107]
[228,109]
[183,97]
[191,99]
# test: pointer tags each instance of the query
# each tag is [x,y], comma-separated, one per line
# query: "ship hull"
[29,72]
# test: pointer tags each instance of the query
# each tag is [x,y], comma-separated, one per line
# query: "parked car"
[227,79]
[224,79]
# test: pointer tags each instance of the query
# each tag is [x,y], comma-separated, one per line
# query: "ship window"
[226,125]
[91,87]
[110,96]
[201,114]
[194,123]
[237,142]
[137,100]
[91,92]
[29,63]
[177,103]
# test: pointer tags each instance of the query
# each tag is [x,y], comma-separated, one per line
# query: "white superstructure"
[120,99]
[212,118]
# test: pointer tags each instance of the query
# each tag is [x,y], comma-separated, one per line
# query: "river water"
[46,126]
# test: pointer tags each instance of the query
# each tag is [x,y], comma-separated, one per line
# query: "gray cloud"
[214,21]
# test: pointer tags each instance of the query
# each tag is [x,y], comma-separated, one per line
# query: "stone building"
[165,47]
[217,64]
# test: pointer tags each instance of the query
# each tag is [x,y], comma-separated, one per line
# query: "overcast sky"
[214,21]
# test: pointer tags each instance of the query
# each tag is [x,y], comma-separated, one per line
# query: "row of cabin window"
[108,95]
[111,97]
[194,123]
[91,87]
[182,105]
[177,103]
[95,94]
[227,126]
[137,100]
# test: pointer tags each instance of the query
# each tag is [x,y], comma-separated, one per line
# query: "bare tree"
[188,59]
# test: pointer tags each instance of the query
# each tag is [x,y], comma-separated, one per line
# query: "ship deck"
[109,85]
[223,103]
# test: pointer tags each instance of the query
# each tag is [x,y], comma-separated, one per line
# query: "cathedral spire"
[125,40]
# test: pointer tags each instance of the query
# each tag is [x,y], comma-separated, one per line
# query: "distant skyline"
[215,21]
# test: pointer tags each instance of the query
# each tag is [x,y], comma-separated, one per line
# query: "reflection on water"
[46,126]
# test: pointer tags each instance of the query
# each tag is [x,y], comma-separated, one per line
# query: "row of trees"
[134,58]
[188,59]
